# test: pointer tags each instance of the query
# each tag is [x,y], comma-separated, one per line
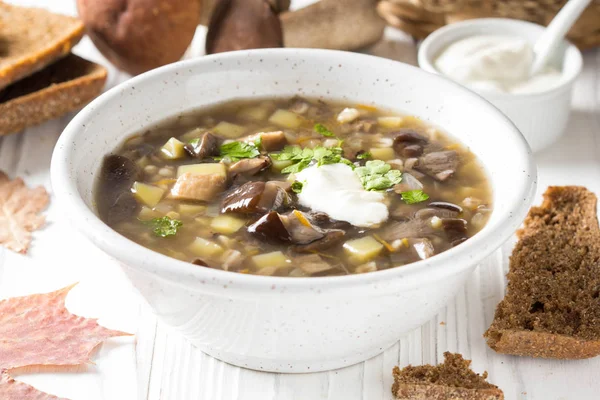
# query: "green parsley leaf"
[414,196]
[164,226]
[297,187]
[323,130]
[235,151]
[258,142]
[364,156]
[377,175]
[303,157]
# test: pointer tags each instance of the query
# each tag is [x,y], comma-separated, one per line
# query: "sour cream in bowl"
[493,57]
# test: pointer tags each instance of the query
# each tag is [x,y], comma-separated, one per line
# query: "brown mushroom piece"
[440,165]
[412,228]
[312,264]
[456,230]
[270,228]
[409,143]
[408,183]
[205,146]
[255,197]
[446,206]
[332,238]
[249,166]
[301,230]
[195,187]
[116,177]
[242,25]
[270,141]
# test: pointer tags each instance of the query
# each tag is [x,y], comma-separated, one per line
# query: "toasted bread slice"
[32,38]
[59,88]
[448,381]
[552,305]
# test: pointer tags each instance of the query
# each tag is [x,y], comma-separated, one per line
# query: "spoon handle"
[555,32]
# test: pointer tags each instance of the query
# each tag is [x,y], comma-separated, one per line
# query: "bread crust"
[542,345]
[31,39]
[551,308]
[60,88]
[408,391]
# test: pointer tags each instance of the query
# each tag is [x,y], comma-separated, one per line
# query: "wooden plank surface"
[159,364]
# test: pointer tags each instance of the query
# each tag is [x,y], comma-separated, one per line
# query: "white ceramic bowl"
[293,324]
[541,117]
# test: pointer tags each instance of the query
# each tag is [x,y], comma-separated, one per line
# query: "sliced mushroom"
[332,238]
[232,260]
[446,206]
[255,197]
[250,166]
[428,213]
[242,25]
[116,177]
[270,141]
[271,228]
[312,264]
[412,228]
[456,230]
[206,146]
[190,186]
[439,165]
[301,230]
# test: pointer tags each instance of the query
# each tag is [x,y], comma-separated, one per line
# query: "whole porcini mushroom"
[139,35]
[244,24]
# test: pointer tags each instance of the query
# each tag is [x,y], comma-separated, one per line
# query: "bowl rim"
[64,183]
[425,59]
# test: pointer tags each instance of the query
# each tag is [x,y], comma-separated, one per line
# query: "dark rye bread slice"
[452,380]
[50,93]
[552,305]
[32,38]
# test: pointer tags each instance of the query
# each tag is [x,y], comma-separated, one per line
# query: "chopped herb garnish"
[258,142]
[235,151]
[414,196]
[297,187]
[377,175]
[304,157]
[364,156]
[323,130]
[164,226]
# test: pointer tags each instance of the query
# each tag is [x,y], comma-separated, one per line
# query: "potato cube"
[390,122]
[205,248]
[146,214]
[203,169]
[226,224]
[275,259]
[173,149]
[382,153]
[147,194]
[191,210]
[363,250]
[191,135]
[229,130]
[286,119]
[257,113]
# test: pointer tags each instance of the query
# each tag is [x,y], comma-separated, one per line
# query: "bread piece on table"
[552,305]
[452,380]
[32,38]
[50,93]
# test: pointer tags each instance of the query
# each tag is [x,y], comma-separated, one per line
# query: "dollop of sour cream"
[495,64]
[336,190]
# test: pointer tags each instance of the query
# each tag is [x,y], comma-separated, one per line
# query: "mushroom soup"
[294,187]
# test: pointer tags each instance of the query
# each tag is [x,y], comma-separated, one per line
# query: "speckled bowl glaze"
[293,324]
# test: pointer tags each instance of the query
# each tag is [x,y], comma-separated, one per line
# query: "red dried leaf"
[15,390]
[39,330]
[19,208]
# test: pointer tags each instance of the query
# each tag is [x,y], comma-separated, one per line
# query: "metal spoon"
[555,32]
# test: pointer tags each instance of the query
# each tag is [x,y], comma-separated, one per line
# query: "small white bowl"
[293,324]
[541,117]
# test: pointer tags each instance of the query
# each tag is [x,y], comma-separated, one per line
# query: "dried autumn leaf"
[39,330]
[19,208]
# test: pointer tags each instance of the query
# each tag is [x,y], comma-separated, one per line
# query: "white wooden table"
[160,364]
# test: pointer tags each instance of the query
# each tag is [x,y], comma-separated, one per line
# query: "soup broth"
[294,187]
